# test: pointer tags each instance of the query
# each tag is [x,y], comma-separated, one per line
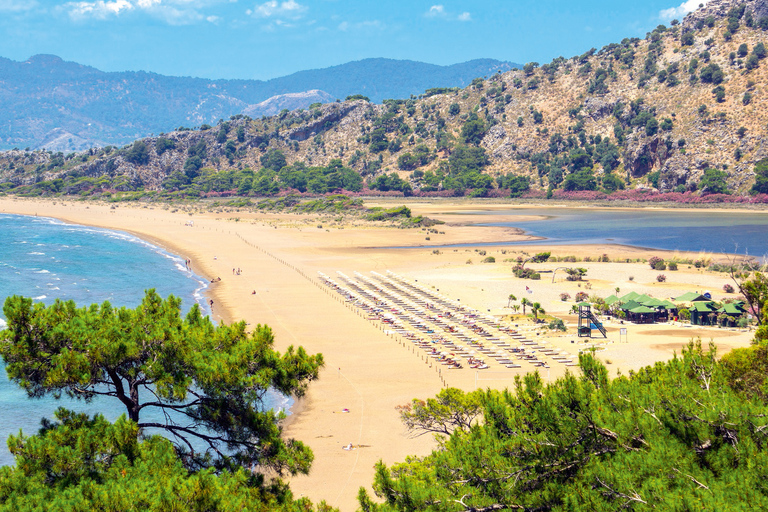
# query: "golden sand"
[369,372]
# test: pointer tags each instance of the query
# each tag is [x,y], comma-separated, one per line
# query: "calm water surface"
[728,232]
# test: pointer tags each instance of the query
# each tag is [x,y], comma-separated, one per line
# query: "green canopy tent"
[687,299]
[663,308]
[630,296]
[703,313]
[642,299]
[631,304]
[642,314]
[733,310]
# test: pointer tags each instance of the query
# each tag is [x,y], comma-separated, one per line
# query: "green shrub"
[657,263]
[557,325]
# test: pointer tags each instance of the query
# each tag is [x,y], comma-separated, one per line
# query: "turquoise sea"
[47,259]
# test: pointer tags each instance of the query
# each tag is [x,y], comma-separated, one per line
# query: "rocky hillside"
[684,109]
[64,106]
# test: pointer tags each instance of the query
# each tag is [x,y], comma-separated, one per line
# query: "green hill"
[682,110]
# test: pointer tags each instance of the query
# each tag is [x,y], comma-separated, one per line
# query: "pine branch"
[634,497]
[488,508]
[693,479]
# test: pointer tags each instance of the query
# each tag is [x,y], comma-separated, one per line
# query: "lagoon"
[744,233]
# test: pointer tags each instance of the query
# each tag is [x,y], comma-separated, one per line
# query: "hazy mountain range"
[48,103]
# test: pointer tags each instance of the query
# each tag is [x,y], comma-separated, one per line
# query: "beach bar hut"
[644,309]
[703,313]
[687,300]
[733,311]
[664,308]
[629,296]
[642,315]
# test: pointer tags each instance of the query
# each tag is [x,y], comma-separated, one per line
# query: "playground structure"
[588,322]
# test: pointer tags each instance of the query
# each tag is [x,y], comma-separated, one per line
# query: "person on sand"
[349,447]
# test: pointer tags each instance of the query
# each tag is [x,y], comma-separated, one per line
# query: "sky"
[262,39]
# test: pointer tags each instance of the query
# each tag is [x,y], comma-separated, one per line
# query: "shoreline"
[368,371]
[462,203]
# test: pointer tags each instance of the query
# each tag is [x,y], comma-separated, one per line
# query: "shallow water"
[710,232]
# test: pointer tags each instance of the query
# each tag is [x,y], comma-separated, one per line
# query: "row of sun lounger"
[448,331]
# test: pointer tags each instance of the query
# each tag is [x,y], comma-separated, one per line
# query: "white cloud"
[274,9]
[681,10]
[17,5]
[173,12]
[436,10]
[99,9]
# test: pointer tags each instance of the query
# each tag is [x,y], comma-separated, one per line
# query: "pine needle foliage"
[207,382]
[674,436]
[81,464]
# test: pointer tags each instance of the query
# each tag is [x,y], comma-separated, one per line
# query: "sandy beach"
[370,371]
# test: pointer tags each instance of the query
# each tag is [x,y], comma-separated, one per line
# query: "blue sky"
[268,38]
